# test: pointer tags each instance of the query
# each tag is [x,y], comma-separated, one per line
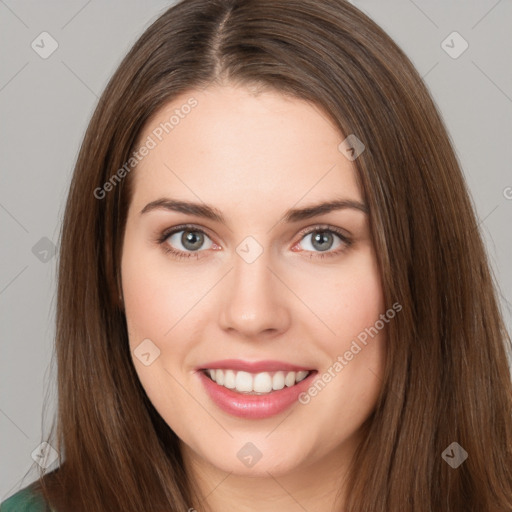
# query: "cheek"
[145,305]
[346,301]
[362,304]
[147,293]
[355,349]
[153,306]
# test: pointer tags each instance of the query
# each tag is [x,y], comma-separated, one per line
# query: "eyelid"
[324,227]
[305,231]
[166,233]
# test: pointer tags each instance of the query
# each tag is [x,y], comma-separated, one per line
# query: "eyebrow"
[292,215]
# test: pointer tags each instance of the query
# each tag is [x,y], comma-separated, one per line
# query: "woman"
[340,348]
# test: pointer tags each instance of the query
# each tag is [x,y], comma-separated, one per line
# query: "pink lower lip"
[254,406]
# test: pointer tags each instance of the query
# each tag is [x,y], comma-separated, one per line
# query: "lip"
[252,366]
[254,406]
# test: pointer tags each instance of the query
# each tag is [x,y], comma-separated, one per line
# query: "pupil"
[192,240]
[321,238]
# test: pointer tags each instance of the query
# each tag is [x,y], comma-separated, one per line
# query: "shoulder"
[25,500]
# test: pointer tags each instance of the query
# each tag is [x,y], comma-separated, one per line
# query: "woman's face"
[245,288]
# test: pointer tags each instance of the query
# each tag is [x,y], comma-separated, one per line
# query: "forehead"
[227,145]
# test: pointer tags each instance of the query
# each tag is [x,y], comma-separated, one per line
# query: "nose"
[255,301]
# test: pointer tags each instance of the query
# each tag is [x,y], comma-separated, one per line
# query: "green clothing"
[25,500]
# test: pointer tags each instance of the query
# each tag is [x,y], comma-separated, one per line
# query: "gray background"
[45,105]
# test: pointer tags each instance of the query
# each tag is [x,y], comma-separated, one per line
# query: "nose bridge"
[254,303]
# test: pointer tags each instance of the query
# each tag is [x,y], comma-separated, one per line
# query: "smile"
[254,390]
[259,383]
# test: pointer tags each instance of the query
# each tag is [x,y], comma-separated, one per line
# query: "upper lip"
[252,366]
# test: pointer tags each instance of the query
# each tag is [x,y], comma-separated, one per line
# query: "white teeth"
[263,382]
[219,377]
[301,375]
[229,379]
[278,381]
[289,380]
[243,381]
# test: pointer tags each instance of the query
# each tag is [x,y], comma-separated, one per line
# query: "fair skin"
[253,157]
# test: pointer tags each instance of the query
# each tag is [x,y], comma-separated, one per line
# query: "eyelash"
[195,254]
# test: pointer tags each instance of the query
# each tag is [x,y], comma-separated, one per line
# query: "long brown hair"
[447,378]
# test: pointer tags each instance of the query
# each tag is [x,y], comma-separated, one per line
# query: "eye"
[322,239]
[186,241]
[189,241]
